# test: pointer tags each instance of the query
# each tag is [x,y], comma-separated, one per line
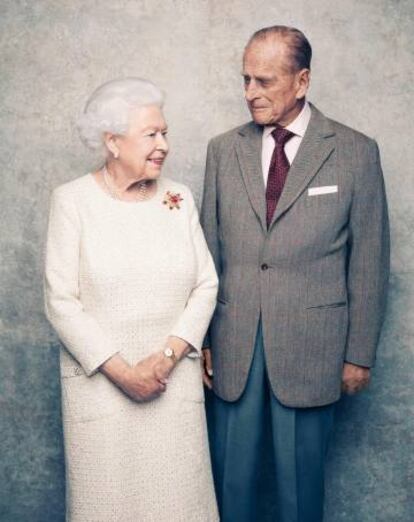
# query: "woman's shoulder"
[74,187]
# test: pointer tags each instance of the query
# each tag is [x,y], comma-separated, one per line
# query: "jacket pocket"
[87,399]
[338,304]
[67,372]
[187,381]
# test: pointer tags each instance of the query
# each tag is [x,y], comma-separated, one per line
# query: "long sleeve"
[79,331]
[208,216]
[368,263]
[193,322]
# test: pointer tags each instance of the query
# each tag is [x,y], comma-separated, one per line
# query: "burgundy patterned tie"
[279,166]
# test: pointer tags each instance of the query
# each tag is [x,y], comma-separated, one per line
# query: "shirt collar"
[298,125]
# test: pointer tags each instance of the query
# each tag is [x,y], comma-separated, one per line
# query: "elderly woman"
[130,289]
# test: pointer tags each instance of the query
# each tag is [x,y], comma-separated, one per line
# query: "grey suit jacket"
[317,277]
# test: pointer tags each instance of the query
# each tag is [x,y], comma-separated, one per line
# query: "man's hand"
[354,378]
[207,368]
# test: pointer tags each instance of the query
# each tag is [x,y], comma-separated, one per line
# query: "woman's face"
[142,150]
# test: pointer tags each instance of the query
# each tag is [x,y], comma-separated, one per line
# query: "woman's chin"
[149,174]
[153,175]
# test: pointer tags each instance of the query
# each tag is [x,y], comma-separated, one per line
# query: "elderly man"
[295,216]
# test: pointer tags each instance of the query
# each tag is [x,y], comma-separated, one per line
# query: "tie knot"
[281,135]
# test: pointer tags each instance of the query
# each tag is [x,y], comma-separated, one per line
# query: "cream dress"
[121,277]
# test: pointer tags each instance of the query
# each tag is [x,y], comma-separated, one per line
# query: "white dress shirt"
[298,127]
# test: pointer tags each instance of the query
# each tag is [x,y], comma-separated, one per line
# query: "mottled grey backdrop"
[53,53]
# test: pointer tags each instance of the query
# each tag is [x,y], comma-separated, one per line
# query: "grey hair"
[298,45]
[109,106]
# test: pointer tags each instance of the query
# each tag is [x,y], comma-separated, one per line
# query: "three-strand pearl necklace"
[141,192]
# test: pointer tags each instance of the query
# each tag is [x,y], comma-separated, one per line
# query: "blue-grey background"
[52,55]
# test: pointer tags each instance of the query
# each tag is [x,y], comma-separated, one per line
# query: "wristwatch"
[169,352]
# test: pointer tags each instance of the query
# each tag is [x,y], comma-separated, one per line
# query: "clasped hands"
[147,379]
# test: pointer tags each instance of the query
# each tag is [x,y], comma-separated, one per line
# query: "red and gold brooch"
[172,200]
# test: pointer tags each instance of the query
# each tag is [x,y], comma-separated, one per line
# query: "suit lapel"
[317,145]
[248,150]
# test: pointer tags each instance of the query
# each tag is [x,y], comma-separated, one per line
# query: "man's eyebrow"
[259,78]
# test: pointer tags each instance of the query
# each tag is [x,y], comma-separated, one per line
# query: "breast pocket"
[320,199]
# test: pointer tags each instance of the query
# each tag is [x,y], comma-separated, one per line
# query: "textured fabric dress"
[120,278]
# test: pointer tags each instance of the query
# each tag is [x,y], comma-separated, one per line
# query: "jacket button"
[264,266]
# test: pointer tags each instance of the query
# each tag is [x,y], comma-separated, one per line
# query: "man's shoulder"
[225,139]
[348,133]
[357,147]
[353,146]
[354,141]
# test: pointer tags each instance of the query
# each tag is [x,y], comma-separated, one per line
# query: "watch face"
[168,352]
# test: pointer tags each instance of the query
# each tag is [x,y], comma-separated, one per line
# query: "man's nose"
[250,91]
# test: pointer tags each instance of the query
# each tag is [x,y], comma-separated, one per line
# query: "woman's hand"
[144,381]
[139,382]
[148,378]
[163,365]
[159,365]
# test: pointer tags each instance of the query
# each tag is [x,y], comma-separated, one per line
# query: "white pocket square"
[318,191]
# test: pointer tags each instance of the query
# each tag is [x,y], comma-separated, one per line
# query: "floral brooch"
[172,200]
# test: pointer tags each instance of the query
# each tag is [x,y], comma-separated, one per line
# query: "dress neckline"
[133,204]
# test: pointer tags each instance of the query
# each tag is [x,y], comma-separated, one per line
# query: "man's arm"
[368,270]
[208,215]
[209,223]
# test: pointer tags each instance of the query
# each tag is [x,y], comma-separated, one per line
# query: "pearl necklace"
[114,193]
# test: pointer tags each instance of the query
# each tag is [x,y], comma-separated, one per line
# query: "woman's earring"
[116,154]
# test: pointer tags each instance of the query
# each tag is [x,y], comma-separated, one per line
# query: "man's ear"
[302,83]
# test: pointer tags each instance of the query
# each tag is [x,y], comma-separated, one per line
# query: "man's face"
[273,91]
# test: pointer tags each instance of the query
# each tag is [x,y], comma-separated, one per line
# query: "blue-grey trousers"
[300,438]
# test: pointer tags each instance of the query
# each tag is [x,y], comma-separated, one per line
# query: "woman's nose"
[162,143]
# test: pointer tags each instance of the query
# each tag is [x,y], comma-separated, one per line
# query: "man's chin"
[261,118]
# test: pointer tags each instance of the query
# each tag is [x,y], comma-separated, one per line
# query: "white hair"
[109,106]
